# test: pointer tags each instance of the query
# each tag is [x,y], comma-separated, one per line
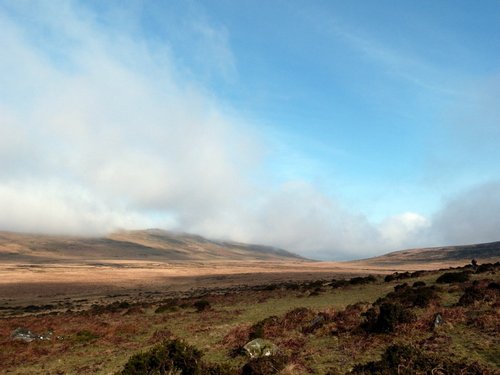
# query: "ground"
[98,332]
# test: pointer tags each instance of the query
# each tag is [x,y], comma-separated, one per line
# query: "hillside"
[145,245]
[447,254]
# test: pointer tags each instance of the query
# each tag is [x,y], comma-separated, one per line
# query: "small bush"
[400,287]
[168,305]
[453,277]
[335,284]
[471,295]
[388,316]
[264,365]
[486,267]
[411,297]
[398,276]
[168,357]
[493,286]
[217,369]
[408,360]
[258,330]
[85,336]
[201,305]
[418,284]
[389,278]
[362,280]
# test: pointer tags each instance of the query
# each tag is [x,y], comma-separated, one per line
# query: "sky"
[334,129]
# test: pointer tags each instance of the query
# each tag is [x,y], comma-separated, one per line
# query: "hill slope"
[462,253]
[150,245]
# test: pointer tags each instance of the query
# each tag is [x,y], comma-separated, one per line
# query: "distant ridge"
[154,245]
[484,251]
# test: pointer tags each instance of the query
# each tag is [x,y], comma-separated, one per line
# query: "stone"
[438,321]
[24,334]
[259,348]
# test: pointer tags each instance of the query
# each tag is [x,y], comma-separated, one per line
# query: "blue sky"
[335,129]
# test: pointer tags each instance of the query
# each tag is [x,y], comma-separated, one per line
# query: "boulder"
[259,348]
[24,334]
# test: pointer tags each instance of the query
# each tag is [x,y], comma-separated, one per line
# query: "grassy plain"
[97,333]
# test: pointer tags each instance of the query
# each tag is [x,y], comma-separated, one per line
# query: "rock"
[24,334]
[259,348]
[438,321]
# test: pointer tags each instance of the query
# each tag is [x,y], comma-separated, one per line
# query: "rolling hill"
[156,245]
[153,245]
[446,254]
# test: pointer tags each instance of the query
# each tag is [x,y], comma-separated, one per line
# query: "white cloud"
[403,230]
[472,216]
[99,131]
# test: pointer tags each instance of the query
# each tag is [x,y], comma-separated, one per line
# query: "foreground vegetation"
[435,322]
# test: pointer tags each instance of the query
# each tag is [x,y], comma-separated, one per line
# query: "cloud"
[117,121]
[102,131]
[471,216]
[403,230]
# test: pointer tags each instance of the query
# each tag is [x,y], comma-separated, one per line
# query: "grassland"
[99,335]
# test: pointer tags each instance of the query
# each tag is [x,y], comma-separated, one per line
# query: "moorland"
[181,304]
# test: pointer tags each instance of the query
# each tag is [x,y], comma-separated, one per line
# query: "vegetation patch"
[169,357]
[408,360]
[202,305]
[387,317]
[453,277]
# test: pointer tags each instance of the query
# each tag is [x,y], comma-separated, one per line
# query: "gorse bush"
[169,357]
[453,277]
[408,360]
[420,296]
[362,280]
[418,284]
[388,316]
[264,365]
[201,305]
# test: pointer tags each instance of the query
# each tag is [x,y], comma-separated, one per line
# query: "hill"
[152,245]
[447,254]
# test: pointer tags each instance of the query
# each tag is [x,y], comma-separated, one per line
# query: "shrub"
[471,295]
[493,286]
[400,287]
[165,358]
[362,280]
[217,369]
[389,278]
[338,283]
[201,305]
[411,297]
[408,360]
[389,315]
[258,330]
[264,365]
[418,284]
[453,277]
[85,336]
[399,276]
[417,273]
[486,267]
[168,306]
